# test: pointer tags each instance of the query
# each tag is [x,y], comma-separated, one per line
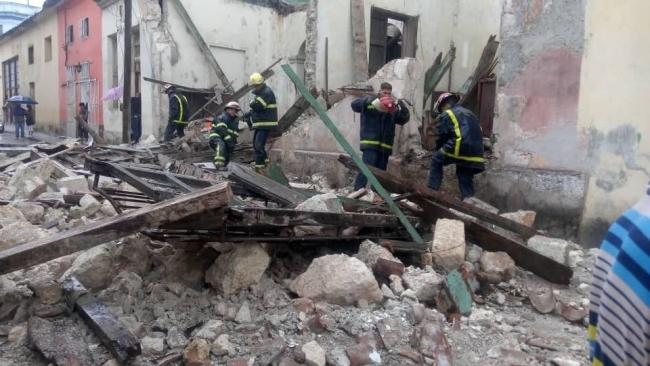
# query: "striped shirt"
[619,314]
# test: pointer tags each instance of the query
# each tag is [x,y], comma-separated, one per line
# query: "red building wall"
[80,71]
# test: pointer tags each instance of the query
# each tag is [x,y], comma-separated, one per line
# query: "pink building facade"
[80,62]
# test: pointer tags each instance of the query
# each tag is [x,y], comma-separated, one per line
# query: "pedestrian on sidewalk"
[136,119]
[619,310]
[82,132]
[29,120]
[19,120]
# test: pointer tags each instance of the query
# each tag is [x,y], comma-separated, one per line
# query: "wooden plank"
[322,113]
[484,64]
[293,113]
[119,172]
[98,139]
[250,216]
[13,151]
[178,183]
[24,157]
[85,237]
[265,186]
[178,86]
[482,235]
[200,42]
[401,185]
[436,72]
[403,246]
[122,344]
[360,54]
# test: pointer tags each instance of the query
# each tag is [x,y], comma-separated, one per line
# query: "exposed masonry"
[311,43]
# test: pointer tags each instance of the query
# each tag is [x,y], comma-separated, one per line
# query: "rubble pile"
[273,275]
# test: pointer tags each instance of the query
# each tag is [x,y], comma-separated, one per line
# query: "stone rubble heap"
[278,304]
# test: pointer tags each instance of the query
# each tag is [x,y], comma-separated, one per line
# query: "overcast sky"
[31,2]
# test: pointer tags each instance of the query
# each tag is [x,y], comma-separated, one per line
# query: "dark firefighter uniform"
[460,142]
[223,137]
[377,134]
[264,117]
[179,114]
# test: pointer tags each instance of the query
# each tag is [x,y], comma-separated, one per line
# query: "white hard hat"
[233,105]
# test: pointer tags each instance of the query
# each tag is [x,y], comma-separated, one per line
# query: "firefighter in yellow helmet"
[262,118]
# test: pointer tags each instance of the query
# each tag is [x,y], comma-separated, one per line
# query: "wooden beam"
[178,86]
[98,139]
[322,113]
[240,93]
[85,237]
[203,46]
[360,54]
[401,185]
[249,216]
[122,344]
[484,63]
[24,157]
[436,72]
[265,186]
[293,113]
[482,235]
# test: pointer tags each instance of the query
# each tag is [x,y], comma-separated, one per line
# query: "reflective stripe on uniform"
[221,125]
[233,132]
[264,124]
[376,143]
[262,101]
[474,159]
[180,104]
[459,137]
[214,134]
[458,141]
[227,137]
[269,106]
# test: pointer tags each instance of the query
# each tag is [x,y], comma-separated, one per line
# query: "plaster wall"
[244,38]
[113,26]
[612,117]
[44,74]
[81,50]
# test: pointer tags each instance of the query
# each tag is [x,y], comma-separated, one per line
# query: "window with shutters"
[69,34]
[85,28]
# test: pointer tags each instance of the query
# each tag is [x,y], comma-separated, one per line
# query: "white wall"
[113,25]
[44,74]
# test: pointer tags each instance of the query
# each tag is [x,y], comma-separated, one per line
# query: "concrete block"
[448,245]
[556,249]
[73,184]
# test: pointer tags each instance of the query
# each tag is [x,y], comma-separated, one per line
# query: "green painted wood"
[459,292]
[322,113]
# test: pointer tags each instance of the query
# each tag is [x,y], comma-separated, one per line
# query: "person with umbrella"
[19,114]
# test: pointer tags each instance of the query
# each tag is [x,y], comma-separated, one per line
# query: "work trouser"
[223,150]
[172,127]
[377,158]
[20,127]
[464,172]
[259,146]
[82,133]
[136,128]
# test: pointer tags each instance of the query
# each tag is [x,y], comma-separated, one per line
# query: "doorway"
[392,36]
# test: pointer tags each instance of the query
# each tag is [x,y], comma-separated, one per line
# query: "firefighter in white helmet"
[224,133]
[262,118]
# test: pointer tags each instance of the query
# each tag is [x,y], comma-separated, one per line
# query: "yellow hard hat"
[256,79]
